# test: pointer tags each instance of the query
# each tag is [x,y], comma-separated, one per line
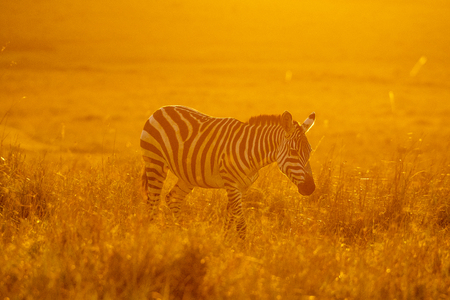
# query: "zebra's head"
[294,151]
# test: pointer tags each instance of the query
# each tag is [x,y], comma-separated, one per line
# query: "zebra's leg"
[235,213]
[153,177]
[175,197]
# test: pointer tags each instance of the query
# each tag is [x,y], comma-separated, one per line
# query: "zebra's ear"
[309,122]
[286,121]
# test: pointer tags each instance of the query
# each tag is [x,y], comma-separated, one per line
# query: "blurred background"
[81,77]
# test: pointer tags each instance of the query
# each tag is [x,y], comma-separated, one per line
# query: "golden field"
[79,79]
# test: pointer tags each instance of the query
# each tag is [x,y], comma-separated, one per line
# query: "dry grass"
[79,231]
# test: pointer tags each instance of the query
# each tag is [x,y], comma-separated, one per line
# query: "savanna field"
[78,80]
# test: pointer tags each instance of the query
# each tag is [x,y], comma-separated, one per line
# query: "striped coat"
[208,152]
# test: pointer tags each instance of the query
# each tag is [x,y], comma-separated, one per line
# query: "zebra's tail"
[144,184]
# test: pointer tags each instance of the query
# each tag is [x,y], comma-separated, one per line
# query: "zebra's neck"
[263,142]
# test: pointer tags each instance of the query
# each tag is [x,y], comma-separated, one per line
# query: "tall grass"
[73,228]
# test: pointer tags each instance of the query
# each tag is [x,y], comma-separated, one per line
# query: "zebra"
[208,152]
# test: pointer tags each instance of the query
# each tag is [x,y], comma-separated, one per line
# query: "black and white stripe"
[208,152]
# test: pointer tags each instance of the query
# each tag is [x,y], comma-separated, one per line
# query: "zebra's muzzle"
[307,187]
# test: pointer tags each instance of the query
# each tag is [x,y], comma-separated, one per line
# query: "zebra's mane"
[265,120]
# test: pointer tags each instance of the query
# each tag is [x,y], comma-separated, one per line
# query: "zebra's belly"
[202,178]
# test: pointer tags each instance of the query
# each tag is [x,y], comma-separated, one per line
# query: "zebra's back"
[191,143]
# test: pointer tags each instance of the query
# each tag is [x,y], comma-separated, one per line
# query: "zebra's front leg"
[235,214]
[175,198]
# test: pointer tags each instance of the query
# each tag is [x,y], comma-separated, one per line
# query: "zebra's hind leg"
[153,177]
[175,197]
[235,214]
